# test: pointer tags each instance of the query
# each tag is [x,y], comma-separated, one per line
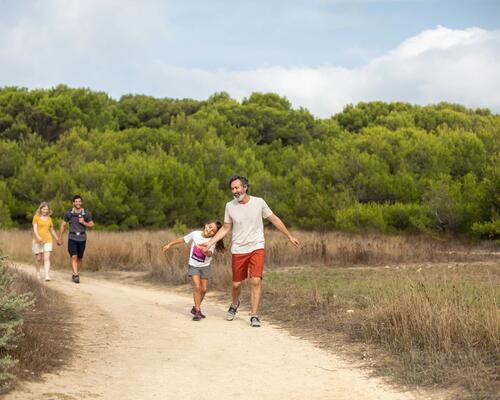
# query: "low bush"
[12,306]
[361,218]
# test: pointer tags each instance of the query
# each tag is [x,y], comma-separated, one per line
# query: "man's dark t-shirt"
[77,231]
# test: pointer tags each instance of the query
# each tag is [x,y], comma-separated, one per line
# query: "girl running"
[42,239]
[199,262]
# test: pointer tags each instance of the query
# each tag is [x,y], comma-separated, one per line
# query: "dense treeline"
[147,162]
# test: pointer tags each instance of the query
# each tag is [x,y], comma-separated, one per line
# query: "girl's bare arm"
[54,234]
[172,243]
[37,235]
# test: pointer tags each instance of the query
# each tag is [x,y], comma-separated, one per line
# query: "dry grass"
[46,339]
[141,251]
[436,325]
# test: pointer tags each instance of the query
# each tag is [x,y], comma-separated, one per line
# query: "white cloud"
[120,48]
[440,38]
[436,65]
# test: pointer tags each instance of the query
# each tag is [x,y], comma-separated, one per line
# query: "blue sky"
[320,54]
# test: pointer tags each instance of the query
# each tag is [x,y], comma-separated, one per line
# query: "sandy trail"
[137,342]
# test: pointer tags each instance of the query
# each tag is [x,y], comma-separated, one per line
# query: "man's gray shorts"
[203,272]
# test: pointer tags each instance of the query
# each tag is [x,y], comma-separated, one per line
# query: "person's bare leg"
[255,289]
[204,289]
[74,264]
[235,292]
[46,264]
[38,260]
[197,296]
[78,265]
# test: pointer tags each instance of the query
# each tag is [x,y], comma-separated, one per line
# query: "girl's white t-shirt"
[196,257]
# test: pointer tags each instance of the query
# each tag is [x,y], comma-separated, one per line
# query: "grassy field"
[424,310]
[426,325]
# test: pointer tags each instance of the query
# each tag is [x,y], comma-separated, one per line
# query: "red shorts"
[242,263]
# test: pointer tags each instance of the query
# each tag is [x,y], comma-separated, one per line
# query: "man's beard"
[240,197]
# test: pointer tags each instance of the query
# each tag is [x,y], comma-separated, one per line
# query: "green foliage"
[407,217]
[487,230]
[6,202]
[180,228]
[361,217]
[147,162]
[138,111]
[11,307]
[50,113]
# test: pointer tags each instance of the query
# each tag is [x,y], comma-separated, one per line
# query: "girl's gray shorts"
[203,272]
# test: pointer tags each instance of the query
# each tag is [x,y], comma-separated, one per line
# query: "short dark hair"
[242,179]
[76,196]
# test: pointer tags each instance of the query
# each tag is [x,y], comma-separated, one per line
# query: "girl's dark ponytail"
[219,246]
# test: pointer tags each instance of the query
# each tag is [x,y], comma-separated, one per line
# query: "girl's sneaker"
[197,316]
[254,321]
[193,311]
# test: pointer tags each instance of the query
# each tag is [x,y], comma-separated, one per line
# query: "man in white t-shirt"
[244,215]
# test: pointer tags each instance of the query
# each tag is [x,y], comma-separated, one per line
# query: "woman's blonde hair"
[42,205]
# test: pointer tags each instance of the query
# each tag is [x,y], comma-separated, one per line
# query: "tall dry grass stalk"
[440,325]
[436,321]
[142,251]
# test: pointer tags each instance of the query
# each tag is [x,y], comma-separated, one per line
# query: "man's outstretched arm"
[278,223]
[219,235]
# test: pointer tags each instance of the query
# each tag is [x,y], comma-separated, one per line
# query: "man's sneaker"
[232,311]
[193,311]
[254,321]
[76,278]
[197,316]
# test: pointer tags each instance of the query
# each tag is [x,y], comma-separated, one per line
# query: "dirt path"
[139,343]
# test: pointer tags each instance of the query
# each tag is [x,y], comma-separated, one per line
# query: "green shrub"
[180,227]
[361,217]
[406,216]
[490,230]
[11,307]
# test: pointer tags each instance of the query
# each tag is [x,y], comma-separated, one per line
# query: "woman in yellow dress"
[43,230]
